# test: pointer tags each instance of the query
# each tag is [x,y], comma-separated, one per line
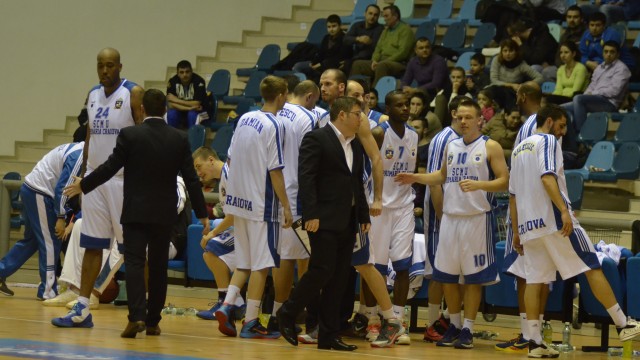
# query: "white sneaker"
[403,339]
[541,351]
[373,330]
[630,331]
[310,337]
[94,303]
[62,299]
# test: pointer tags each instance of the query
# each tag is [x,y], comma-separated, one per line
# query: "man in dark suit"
[333,206]
[152,154]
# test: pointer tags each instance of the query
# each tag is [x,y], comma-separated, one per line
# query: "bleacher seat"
[629,130]
[358,12]
[455,36]
[601,156]
[626,165]
[633,290]
[251,91]
[269,56]
[594,128]
[467,14]
[575,188]
[464,60]
[485,33]
[502,294]
[440,9]
[427,29]
[316,34]
[405,7]
[548,87]
[196,135]
[385,85]
[555,30]
[217,88]
[196,267]
[221,141]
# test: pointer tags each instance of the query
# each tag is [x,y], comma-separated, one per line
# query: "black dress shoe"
[153,330]
[287,328]
[336,344]
[133,327]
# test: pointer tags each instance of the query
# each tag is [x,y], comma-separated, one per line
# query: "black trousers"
[328,276]
[136,239]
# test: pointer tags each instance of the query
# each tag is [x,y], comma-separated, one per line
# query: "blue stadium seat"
[196,135]
[548,87]
[196,267]
[485,33]
[440,9]
[464,60]
[601,156]
[251,91]
[555,30]
[467,14]
[629,130]
[221,141]
[502,294]
[316,34]
[455,36]
[575,188]
[405,7]
[358,12]
[385,85]
[427,29]
[269,56]
[633,290]
[217,89]
[594,129]
[626,165]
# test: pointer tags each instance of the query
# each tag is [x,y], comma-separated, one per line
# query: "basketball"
[110,293]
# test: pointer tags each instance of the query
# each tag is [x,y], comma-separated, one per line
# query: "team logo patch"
[388,153]
[449,158]
[477,158]
[223,192]
[413,152]
[119,103]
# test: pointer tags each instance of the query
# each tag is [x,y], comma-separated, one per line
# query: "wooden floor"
[26,332]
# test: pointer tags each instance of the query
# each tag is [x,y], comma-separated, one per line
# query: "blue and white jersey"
[222,184]
[296,121]
[374,116]
[398,156]
[534,157]
[256,149]
[55,171]
[107,115]
[467,161]
[527,129]
[322,115]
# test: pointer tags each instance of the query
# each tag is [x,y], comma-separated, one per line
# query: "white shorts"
[513,262]
[101,211]
[290,247]
[467,247]
[256,243]
[362,250]
[391,238]
[569,256]
[223,246]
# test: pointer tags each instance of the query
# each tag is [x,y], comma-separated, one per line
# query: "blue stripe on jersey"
[546,152]
[128,84]
[579,241]
[440,141]
[384,126]
[309,114]
[279,144]
[374,115]
[557,216]
[225,170]
[271,203]
[410,128]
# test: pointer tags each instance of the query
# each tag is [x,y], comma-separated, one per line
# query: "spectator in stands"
[537,46]
[477,77]
[548,10]
[575,25]
[422,127]
[503,128]
[419,109]
[186,96]
[607,88]
[331,55]
[392,50]
[593,40]
[615,10]
[373,100]
[508,71]
[572,76]
[363,36]
[487,105]
[427,69]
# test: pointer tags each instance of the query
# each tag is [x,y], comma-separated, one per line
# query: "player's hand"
[205,224]
[205,239]
[73,189]
[376,208]
[365,227]
[374,64]
[67,231]
[516,244]
[467,185]
[60,225]
[567,224]
[312,225]
[288,218]
[405,178]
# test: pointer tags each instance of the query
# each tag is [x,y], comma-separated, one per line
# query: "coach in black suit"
[333,205]
[152,154]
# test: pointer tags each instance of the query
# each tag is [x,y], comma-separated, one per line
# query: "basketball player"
[467,236]
[255,189]
[359,89]
[545,231]
[112,105]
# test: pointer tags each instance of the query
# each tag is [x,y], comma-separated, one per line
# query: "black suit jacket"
[326,185]
[152,154]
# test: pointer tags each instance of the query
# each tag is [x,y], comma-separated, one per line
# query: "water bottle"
[627,348]
[547,333]
[169,309]
[566,338]
[614,351]
[190,311]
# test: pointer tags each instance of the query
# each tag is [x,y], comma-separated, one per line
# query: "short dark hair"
[339,75]
[394,10]
[154,102]
[305,87]
[574,8]
[334,19]
[365,85]
[391,95]
[612,43]
[374,91]
[531,92]
[272,86]
[343,103]
[292,81]
[598,16]
[573,47]
[510,44]
[373,5]
[455,102]
[203,152]
[466,102]
[422,39]
[552,111]
[184,64]
[479,58]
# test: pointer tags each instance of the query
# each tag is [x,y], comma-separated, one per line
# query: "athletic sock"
[398,311]
[456,320]
[446,314]
[232,293]
[617,315]
[253,309]
[388,314]
[371,311]
[468,323]
[524,326]
[84,301]
[276,307]
[534,331]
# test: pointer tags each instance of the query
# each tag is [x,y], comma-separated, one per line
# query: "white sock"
[446,314]
[253,309]
[534,331]
[239,301]
[540,321]
[276,307]
[398,311]
[468,323]
[84,301]
[370,312]
[616,314]
[232,293]
[524,326]
[433,312]
[388,314]
[456,320]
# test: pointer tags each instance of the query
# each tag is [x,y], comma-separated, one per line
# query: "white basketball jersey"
[398,156]
[322,115]
[256,148]
[107,115]
[527,129]
[467,161]
[534,157]
[296,121]
[222,185]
